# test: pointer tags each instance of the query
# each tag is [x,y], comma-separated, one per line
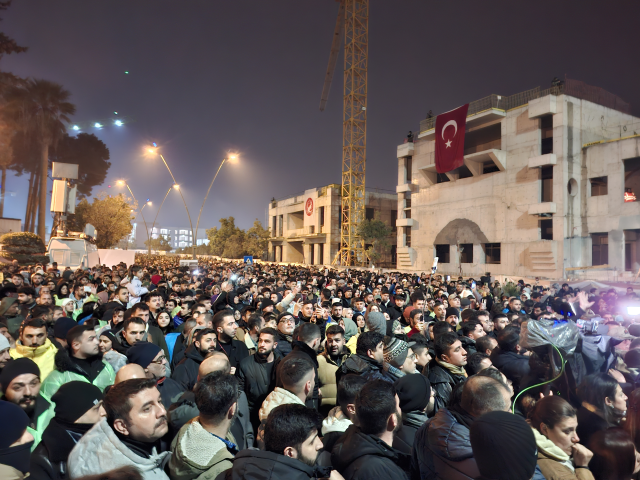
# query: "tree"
[90,154]
[6,159]
[376,233]
[159,243]
[110,215]
[219,237]
[257,240]
[230,241]
[8,46]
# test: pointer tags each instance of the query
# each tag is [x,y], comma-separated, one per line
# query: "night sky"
[207,77]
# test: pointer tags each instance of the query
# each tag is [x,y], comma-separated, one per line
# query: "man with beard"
[286,326]
[81,360]
[306,346]
[25,299]
[10,310]
[121,299]
[154,302]
[20,384]
[129,435]
[34,344]
[151,358]
[186,372]
[225,326]
[365,451]
[78,407]
[132,332]
[329,361]
[257,373]
[205,446]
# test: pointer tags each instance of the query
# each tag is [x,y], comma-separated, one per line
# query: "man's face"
[423,358]
[5,356]
[487,323]
[419,304]
[478,332]
[206,344]
[378,354]
[385,297]
[409,365]
[134,333]
[336,312]
[286,325]
[515,305]
[457,355]
[23,391]
[171,304]
[123,296]
[79,292]
[155,303]
[23,298]
[207,304]
[307,309]
[417,322]
[454,302]
[537,311]
[143,314]
[33,337]
[439,311]
[199,311]
[147,420]
[156,369]
[266,344]
[36,280]
[335,344]
[118,317]
[89,345]
[308,453]
[360,306]
[45,299]
[500,323]
[452,320]
[229,327]
[12,311]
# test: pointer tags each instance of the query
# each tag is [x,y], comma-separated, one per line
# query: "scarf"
[453,369]
[550,450]
[18,457]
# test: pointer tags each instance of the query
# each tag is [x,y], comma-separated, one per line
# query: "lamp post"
[233,158]
[165,197]
[122,182]
[177,187]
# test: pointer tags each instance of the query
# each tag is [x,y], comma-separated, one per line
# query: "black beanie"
[451,311]
[19,366]
[414,392]
[74,399]
[14,422]
[504,446]
[62,327]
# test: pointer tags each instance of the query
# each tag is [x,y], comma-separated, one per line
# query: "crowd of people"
[158,371]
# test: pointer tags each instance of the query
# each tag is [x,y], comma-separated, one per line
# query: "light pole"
[233,158]
[177,187]
[122,182]
[165,197]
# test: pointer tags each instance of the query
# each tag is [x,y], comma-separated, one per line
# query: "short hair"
[293,370]
[269,331]
[415,296]
[40,310]
[308,332]
[474,362]
[215,394]
[493,372]
[335,330]
[140,306]
[34,323]
[218,318]
[75,333]
[508,339]
[255,321]
[290,425]
[117,401]
[443,343]
[121,287]
[482,394]
[348,389]
[130,320]
[202,332]
[470,326]
[27,290]
[368,341]
[375,402]
[480,313]
[484,343]
[440,328]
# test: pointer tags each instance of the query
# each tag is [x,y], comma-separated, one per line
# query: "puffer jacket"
[115,359]
[284,345]
[278,397]
[442,450]
[67,371]
[257,465]
[43,356]
[186,372]
[555,464]
[442,381]
[198,454]
[100,450]
[358,456]
[327,377]
[362,366]
[333,427]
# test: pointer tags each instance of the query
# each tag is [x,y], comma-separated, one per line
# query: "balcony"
[404,222]
[406,187]
[405,150]
[544,209]
[540,107]
[478,163]
[540,161]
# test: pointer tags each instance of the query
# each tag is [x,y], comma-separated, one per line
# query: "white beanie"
[4,343]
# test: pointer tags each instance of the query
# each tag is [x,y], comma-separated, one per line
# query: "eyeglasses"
[159,360]
[287,320]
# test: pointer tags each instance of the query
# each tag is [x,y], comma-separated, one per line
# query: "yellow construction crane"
[353,22]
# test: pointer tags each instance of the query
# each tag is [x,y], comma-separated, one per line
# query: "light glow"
[76,128]
[97,125]
[118,123]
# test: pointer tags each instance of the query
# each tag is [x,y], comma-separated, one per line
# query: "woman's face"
[360,321]
[563,434]
[619,400]
[216,290]
[105,344]
[64,290]
[70,307]
[374,308]
[164,319]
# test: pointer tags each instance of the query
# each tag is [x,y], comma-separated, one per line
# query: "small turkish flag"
[449,134]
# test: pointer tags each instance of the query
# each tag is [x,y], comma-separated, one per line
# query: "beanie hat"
[451,311]
[395,351]
[503,446]
[4,343]
[631,358]
[376,323]
[19,366]
[6,303]
[109,334]
[62,327]
[143,353]
[155,279]
[14,423]
[64,301]
[266,303]
[414,393]
[74,399]
[465,302]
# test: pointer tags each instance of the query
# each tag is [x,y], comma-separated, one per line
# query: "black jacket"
[89,368]
[256,381]
[468,344]
[260,465]
[360,456]
[363,366]
[514,366]
[235,351]
[302,350]
[170,391]
[284,345]
[186,372]
[442,381]
[404,438]
[588,424]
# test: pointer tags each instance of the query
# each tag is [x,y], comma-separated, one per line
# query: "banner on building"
[450,127]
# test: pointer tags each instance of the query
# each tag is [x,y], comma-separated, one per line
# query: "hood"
[193,353]
[336,421]
[355,444]
[32,352]
[278,397]
[358,364]
[6,303]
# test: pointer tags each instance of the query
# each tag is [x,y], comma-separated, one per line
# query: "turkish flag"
[449,133]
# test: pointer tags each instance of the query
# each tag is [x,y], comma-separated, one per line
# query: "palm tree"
[42,107]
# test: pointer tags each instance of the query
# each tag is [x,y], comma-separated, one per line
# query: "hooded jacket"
[260,465]
[198,454]
[358,456]
[67,370]
[362,366]
[43,356]
[278,397]
[555,464]
[100,450]
[186,372]
[514,366]
[333,427]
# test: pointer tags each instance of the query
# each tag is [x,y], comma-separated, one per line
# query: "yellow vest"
[43,356]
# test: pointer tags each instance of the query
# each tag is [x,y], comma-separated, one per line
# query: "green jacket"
[67,371]
[42,415]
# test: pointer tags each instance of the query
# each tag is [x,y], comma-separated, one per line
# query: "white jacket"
[100,450]
[136,290]
[278,397]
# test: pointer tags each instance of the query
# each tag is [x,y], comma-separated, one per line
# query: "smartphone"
[87,288]
[473,285]
[447,278]
[299,284]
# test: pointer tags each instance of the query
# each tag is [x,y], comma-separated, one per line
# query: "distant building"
[305,228]
[179,237]
[542,188]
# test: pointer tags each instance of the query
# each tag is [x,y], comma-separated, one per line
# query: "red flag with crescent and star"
[449,134]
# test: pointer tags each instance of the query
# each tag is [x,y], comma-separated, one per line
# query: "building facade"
[541,192]
[178,237]
[305,228]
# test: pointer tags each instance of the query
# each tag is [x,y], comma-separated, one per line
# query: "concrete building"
[179,237]
[305,228]
[541,189]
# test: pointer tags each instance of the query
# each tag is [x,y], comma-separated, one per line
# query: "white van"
[73,252]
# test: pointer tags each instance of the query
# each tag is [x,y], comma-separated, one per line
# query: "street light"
[232,158]
[154,151]
[122,182]
[175,186]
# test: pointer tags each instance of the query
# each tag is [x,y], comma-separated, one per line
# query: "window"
[321,213]
[464,172]
[280,225]
[546,184]
[394,217]
[631,179]
[492,253]
[369,213]
[163,231]
[466,252]
[442,252]
[599,249]
[546,229]
[274,222]
[183,231]
[546,134]
[407,233]
[442,178]
[321,253]
[598,186]
[408,169]
[489,167]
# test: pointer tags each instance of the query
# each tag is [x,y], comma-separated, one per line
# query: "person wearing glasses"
[152,358]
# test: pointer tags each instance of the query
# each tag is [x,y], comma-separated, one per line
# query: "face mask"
[18,457]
